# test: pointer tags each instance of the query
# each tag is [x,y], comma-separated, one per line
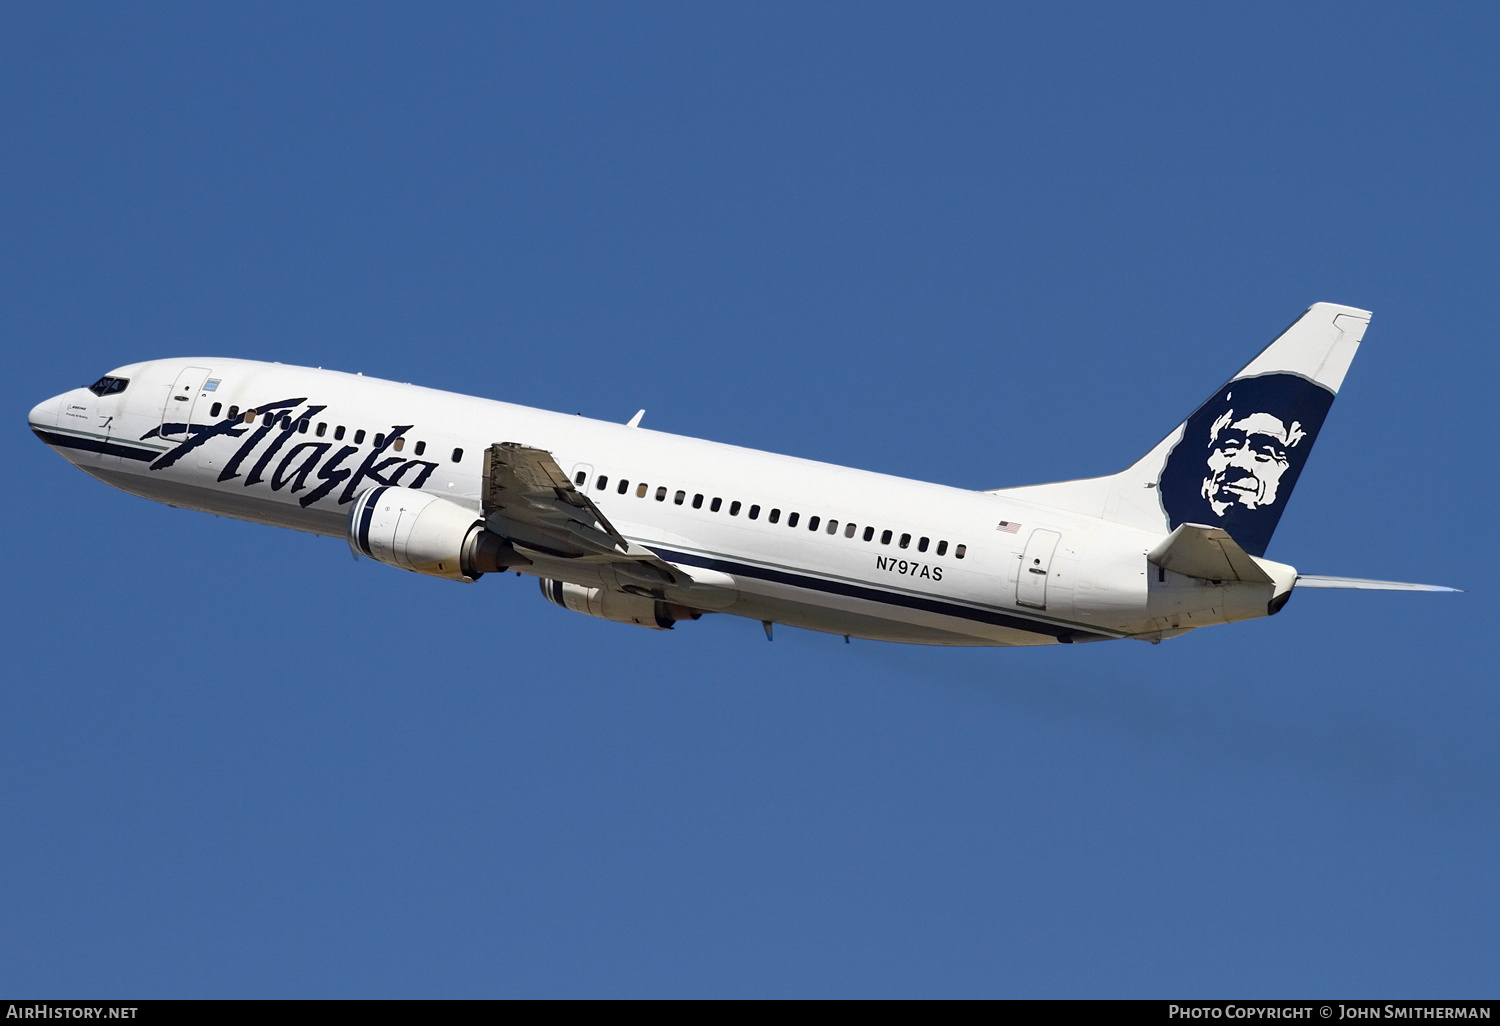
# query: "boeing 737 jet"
[641,527]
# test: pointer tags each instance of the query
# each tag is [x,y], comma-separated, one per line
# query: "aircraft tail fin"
[1234,461]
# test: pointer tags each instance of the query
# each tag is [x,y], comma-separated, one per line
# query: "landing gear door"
[1036,565]
[177,414]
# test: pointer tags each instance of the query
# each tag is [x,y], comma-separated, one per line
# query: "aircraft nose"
[43,416]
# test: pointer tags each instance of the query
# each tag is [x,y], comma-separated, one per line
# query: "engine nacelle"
[619,606]
[426,534]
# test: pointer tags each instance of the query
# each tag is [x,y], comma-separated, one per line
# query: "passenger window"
[399,444]
[677,499]
[602,483]
[359,439]
[833,527]
[640,490]
[661,494]
[942,549]
[379,439]
[698,501]
[774,515]
[869,533]
[249,416]
[905,540]
[302,426]
[791,519]
[848,530]
[458,454]
[885,537]
[421,448]
[322,429]
[234,413]
[213,411]
[754,512]
[812,523]
[713,507]
[286,423]
[734,508]
[580,477]
[338,433]
[958,552]
[622,487]
[921,544]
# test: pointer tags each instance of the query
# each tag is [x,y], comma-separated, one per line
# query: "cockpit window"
[109,386]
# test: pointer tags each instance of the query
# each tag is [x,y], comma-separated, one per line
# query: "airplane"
[642,527]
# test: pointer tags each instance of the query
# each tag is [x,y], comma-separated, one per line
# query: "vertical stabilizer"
[1234,462]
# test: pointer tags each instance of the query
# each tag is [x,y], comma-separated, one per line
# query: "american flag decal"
[1008,527]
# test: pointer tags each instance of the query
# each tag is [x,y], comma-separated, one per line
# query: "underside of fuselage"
[255,509]
[875,628]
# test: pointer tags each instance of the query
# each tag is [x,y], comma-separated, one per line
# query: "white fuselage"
[922,563]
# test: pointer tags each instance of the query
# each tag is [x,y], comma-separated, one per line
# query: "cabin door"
[178,413]
[1036,565]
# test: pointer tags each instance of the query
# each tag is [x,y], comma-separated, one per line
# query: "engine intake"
[426,534]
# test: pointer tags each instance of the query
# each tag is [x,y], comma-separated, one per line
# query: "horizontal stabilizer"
[1313,581]
[1207,553]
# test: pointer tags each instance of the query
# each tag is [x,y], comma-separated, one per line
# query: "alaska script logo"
[1241,454]
[303,466]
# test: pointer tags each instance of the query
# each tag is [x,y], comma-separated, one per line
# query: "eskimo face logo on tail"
[1247,459]
[1241,454]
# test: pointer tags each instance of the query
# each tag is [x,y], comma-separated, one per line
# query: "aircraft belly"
[876,620]
[831,620]
[224,503]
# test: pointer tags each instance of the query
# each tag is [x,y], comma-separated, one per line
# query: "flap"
[1207,553]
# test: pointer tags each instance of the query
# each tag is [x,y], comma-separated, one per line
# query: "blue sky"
[964,243]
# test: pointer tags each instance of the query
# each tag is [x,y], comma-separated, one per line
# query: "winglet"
[636,420]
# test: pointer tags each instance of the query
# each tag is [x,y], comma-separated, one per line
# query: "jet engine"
[426,534]
[619,606]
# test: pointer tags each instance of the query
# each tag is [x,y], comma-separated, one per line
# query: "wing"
[529,501]
[1314,581]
